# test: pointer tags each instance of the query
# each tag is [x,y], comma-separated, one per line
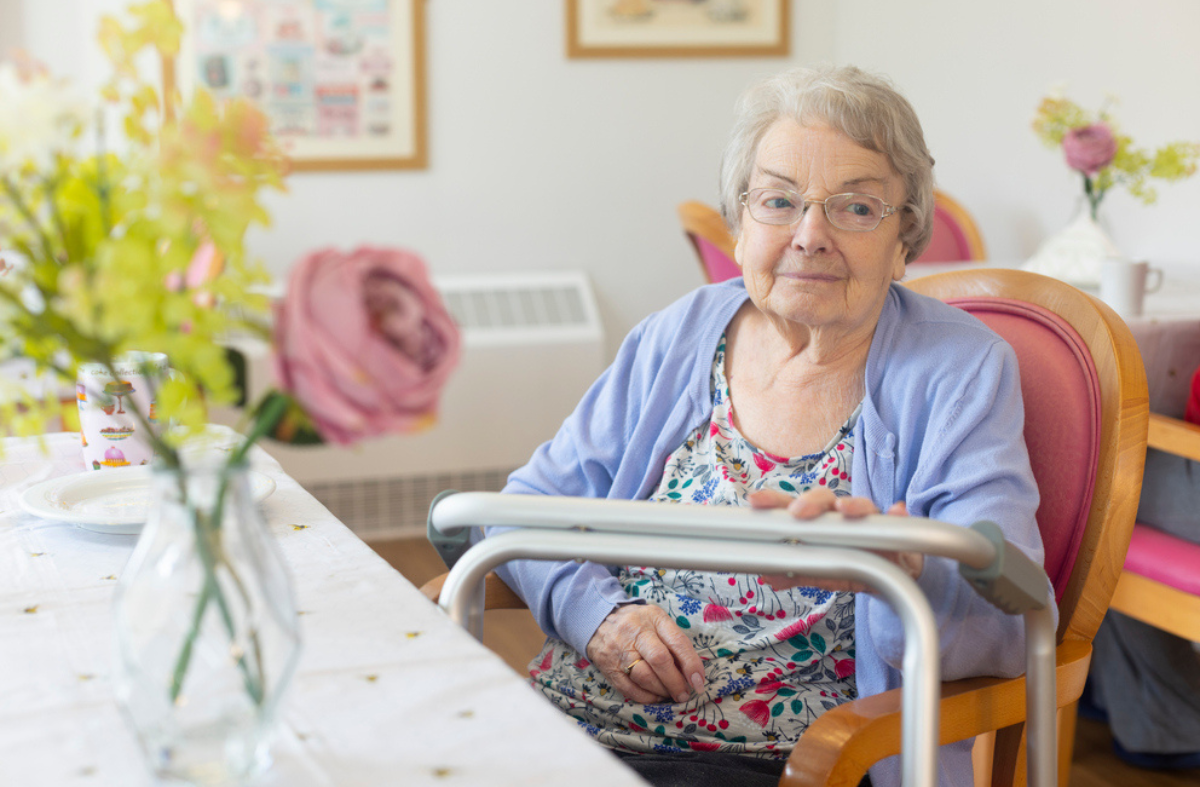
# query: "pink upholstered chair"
[710,237]
[1084,388]
[955,236]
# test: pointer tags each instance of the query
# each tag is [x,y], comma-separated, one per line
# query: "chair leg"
[1067,717]
[1008,762]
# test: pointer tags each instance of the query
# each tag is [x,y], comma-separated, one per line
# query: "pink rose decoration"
[1090,148]
[364,343]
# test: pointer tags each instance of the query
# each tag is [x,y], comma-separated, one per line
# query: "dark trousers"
[707,769]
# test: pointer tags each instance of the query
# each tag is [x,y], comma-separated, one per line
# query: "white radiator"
[532,344]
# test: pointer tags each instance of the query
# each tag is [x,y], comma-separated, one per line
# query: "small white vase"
[1074,253]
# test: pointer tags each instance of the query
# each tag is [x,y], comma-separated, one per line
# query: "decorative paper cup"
[111,435]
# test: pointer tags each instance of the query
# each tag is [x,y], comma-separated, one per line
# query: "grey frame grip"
[1012,582]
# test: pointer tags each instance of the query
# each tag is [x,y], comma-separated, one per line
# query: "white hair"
[864,107]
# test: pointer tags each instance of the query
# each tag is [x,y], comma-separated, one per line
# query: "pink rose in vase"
[1089,149]
[364,343]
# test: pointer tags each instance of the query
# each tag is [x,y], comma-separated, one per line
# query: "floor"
[515,637]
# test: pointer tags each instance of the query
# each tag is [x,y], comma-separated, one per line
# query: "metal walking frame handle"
[615,532]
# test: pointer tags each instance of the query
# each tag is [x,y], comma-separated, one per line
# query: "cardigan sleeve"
[972,465]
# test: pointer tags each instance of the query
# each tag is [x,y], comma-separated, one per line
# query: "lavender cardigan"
[940,428]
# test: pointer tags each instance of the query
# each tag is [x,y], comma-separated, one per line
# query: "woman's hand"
[812,504]
[665,665]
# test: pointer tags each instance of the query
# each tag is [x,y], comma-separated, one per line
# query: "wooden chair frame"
[702,221]
[1159,605]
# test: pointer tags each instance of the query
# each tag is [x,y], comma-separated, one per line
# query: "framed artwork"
[677,28]
[342,82]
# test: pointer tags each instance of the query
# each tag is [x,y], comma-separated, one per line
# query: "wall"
[540,162]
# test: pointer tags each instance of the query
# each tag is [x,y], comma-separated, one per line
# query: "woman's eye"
[777,203]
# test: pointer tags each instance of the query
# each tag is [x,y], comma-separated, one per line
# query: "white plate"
[108,501]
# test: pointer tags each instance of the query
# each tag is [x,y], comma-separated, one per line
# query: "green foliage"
[108,240]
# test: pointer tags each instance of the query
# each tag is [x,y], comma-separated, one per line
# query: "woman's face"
[812,273]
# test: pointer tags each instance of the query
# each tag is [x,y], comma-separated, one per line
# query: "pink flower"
[363,342]
[1089,149]
[799,627]
[757,711]
[843,668]
[716,612]
[764,464]
[703,745]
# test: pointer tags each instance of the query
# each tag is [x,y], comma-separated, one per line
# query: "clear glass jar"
[206,629]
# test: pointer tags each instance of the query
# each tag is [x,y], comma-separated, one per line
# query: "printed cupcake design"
[81,393]
[119,389]
[113,457]
[114,433]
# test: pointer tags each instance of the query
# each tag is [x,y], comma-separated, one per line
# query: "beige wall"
[540,162]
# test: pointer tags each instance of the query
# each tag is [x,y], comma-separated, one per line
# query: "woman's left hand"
[812,504]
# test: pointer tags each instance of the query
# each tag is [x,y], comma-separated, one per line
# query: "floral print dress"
[773,661]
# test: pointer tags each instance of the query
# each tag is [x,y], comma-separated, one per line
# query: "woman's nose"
[812,232]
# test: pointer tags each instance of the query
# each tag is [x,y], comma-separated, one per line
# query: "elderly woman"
[814,383]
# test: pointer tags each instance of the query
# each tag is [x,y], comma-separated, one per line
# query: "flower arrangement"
[143,250]
[1093,146]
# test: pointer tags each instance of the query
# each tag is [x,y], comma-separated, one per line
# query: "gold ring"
[628,669]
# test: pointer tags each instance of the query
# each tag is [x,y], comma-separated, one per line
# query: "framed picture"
[677,28]
[342,82]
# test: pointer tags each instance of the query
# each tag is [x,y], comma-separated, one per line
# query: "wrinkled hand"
[667,668]
[812,504]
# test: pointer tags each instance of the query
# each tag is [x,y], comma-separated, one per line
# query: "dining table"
[388,689]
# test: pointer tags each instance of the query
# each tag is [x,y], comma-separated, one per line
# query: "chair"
[1085,395]
[955,236]
[710,237]
[1159,584]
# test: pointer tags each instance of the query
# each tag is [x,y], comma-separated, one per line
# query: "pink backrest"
[717,264]
[1062,419]
[949,242]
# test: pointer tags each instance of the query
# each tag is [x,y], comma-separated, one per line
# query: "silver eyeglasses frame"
[802,208]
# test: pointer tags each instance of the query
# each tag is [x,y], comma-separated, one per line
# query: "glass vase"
[206,629]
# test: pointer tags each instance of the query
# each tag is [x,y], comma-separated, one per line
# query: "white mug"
[1124,285]
[111,436]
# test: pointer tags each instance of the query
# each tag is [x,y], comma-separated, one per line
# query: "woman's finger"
[813,503]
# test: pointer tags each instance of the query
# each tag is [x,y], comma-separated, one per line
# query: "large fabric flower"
[364,343]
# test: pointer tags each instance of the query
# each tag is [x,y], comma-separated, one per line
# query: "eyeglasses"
[853,212]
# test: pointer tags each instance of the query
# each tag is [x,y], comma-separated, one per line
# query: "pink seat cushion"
[716,262]
[1062,420]
[948,243]
[1164,558]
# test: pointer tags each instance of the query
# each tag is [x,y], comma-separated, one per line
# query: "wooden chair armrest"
[496,594]
[839,747]
[1174,436]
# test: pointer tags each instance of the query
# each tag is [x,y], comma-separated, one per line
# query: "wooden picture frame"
[343,84]
[677,28]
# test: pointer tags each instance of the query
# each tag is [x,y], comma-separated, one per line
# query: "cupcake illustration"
[80,393]
[153,417]
[119,389]
[114,457]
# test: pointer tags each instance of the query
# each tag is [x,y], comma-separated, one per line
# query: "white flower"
[40,117]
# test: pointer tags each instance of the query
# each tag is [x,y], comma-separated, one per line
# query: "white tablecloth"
[388,690]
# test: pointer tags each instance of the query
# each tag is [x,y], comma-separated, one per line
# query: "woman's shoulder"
[917,318]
